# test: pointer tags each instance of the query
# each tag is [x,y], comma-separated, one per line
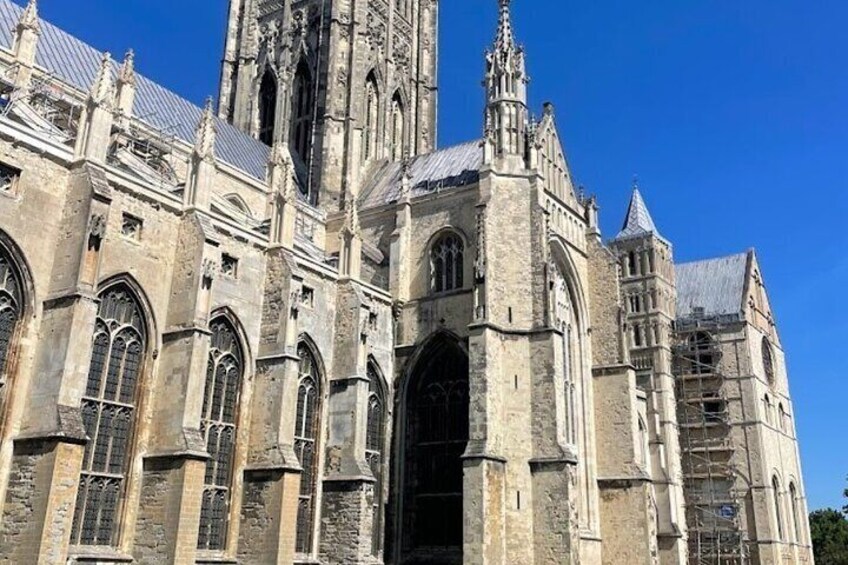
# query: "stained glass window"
[306,445]
[108,414]
[374,446]
[224,371]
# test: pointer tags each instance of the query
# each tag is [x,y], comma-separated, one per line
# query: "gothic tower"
[650,297]
[345,83]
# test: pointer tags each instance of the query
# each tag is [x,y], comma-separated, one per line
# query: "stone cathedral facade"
[289,329]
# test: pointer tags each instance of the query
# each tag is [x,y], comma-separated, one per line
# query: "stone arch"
[221,420]
[17,310]
[577,420]
[267,99]
[397,125]
[432,417]
[309,442]
[372,105]
[112,402]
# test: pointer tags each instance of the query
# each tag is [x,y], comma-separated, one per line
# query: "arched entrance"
[435,434]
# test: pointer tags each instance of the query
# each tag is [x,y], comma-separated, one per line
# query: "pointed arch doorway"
[433,437]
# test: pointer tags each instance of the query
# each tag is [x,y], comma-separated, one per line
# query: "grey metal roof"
[75,63]
[638,221]
[441,170]
[715,285]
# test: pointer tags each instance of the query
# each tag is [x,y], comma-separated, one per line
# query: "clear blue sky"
[733,114]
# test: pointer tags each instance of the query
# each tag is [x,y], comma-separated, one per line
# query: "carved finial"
[635,182]
[204,144]
[101,88]
[127,74]
[29,17]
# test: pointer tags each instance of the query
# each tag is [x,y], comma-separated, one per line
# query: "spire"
[101,88]
[505,38]
[638,221]
[204,144]
[506,120]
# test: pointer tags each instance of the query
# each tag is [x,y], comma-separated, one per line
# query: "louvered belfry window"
[10,315]
[218,425]
[306,445]
[108,414]
[374,452]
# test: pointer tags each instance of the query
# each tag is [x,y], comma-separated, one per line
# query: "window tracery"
[224,372]
[11,310]
[374,443]
[307,445]
[446,263]
[108,414]
[768,361]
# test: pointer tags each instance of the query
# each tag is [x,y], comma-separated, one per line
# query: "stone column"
[47,457]
[272,475]
[173,477]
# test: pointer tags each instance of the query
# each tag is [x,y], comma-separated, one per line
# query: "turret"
[506,120]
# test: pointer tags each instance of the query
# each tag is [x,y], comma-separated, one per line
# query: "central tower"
[344,83]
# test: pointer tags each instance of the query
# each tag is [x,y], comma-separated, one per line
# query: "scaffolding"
[714,488]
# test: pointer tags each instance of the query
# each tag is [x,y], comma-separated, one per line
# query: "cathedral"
[287,328]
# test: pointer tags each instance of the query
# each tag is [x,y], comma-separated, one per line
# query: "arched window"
[108,414]
[797,532]
[767,408]
[11,310]
[374,445]
[446,263]
[267,107]
[307,445]
[782,415]
[397,140]
[778,506]
[768,361]
[436,434]
[372,118]
[301,112]
[565,317]
[224,373]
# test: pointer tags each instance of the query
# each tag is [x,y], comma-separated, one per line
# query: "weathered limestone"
[432,357]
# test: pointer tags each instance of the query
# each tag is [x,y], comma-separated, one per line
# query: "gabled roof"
[75,63]
[638,221]
[441,170]
[710,288]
